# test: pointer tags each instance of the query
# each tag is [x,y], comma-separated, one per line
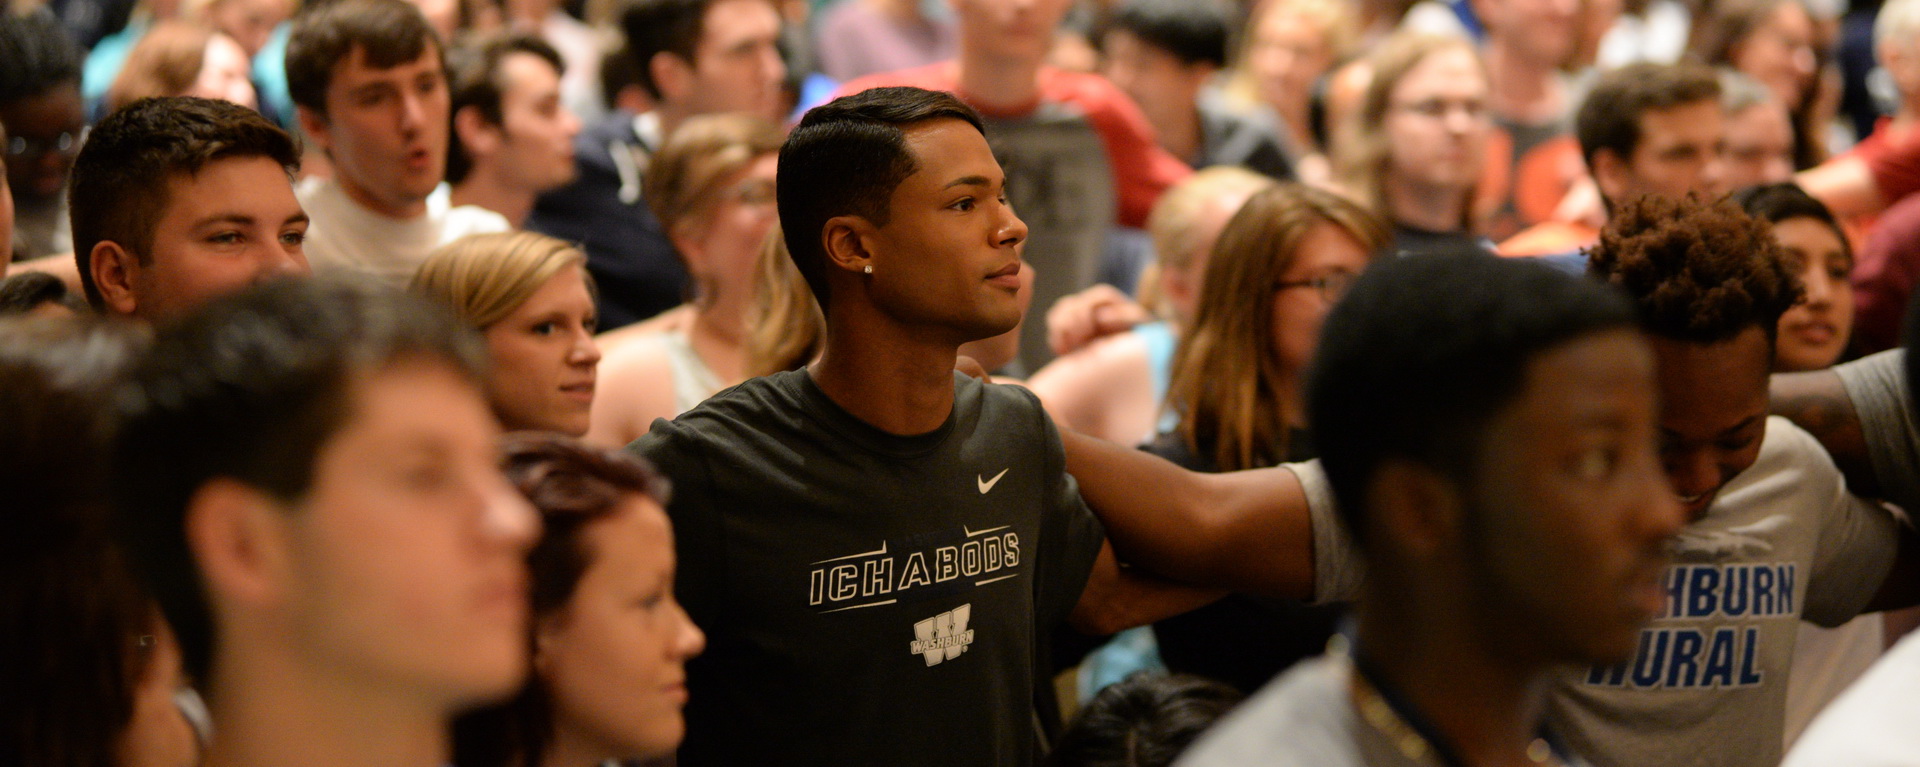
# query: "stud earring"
[868,269]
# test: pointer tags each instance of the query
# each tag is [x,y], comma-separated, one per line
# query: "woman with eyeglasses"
[1277,269]
[1419,148]
[711,186]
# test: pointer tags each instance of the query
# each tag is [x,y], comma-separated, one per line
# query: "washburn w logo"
[943,637]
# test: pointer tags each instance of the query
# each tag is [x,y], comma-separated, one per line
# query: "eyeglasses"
[1330,286]
[67,143]
[1438,109]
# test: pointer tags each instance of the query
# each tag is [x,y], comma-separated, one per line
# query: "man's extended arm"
[1246,531]
[1817,401]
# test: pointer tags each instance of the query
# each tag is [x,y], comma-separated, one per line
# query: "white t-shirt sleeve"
[1337,567]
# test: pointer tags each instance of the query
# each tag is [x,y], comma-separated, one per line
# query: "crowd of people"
[554,383]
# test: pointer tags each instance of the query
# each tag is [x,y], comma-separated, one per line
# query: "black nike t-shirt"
[869,599]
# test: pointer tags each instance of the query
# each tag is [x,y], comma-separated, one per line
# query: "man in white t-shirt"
[369,83]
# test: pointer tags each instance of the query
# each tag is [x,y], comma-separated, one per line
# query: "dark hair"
[1145,720]
[36,54]
[251,387]
[73,656]
[571,485]
[845,158]
[663,26]
[388,32]
[1775,203]
[1194,31]
[1609,118]
[617,71]
[24,292]
[1423,352]
[1699,272]
[473,80]
[121,177]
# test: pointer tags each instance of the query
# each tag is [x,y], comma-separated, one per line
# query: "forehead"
[1706,388]
[254,186]
[1695,122]
[945,150]
[354,71]
[524,72]
[416,401]
[1447,71]
[728,21]
[47,113]
[1600,380]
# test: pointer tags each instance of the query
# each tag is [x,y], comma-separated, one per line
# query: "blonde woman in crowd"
[1289,45]
[530,297]
[711,186]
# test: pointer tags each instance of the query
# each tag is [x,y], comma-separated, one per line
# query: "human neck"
[1484,699]
[485,190]
[719,331]
[1433,208]
[286,715]
[896,379]
[1179,131]
[569,749]
[360,196]
[1521,89]
[998,84]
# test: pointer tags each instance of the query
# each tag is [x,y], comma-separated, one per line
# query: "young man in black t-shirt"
[876,545]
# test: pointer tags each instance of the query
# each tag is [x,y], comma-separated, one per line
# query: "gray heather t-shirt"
[1877,384]
[1783,541]
[1306,717]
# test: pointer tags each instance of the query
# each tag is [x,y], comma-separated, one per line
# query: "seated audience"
[1114,388]
[693,57]
[1287,46]
[1814,334]
[93,671]
[1880,170]
[1238,399]
[531,299]
[1528,47]
[855,38]
[178,200]
[578,44]
[609,641]
[512,135]
[1778,43]
[1145,720]
[1164,54]
[45,123]
[371,92]
[712,189]
[1643,129]
[179,58]
[306,478]
[1420,153]
[1759,134]
[1505,492]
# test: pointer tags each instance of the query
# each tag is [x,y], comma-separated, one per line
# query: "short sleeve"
[1877,385]
[1857,538]
[1338,569]
[1071,536]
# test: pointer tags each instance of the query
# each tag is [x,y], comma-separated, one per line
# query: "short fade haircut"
[845,158]
[1697,271]
[251,387]
[324,36]
[1423,352]
[1609,118]
[36,54]
[1194,31]
[118,189]
[473,80]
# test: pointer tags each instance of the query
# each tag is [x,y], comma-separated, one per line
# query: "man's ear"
[239,537]
[113,268]
[847,241]
[477,136]
[672,75]
[316,127]
[1415,507]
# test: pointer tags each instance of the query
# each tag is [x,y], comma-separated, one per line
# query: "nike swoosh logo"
[987,484]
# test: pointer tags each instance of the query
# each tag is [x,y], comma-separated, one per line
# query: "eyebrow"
[968,181]
[242,219]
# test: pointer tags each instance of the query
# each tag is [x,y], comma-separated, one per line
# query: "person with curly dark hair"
[1774,536]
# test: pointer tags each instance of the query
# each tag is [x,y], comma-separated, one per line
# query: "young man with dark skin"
[1506,494]
[875,535]
[693,57]
[178,200]
[306,478]
[45,122]
[370,88]
[512,135]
